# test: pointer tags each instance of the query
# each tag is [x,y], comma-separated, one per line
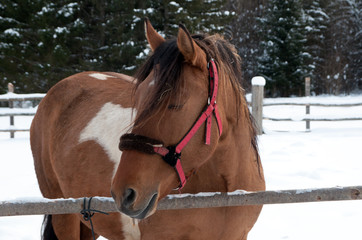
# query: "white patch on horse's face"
[100,76]
[106,128]
[130,228]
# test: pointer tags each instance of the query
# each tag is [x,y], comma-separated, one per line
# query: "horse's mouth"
[141,213]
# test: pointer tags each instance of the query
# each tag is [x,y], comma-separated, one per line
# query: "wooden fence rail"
[257,107]
[11,97]
[307,118]
[185,201]
[312,104]
[258,103]
[314,119]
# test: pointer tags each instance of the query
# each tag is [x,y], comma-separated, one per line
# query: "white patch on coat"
[106,128]
[100,76]
[130,228]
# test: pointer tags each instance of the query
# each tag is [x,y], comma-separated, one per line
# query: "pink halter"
[172,154]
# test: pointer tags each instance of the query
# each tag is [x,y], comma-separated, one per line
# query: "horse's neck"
[236,157]
[234,164]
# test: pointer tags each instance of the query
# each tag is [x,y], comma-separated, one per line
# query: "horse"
[181,124]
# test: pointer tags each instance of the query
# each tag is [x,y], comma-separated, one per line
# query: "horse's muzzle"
[134,206]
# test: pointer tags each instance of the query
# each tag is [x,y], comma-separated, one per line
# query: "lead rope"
[88,213]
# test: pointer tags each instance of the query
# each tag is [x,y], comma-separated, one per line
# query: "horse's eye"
[175,107]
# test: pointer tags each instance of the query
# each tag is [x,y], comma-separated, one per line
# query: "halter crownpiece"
[172,154]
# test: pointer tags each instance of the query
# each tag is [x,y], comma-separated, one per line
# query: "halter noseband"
[172,154]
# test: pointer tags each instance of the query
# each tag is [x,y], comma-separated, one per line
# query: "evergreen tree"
[244,34]
[355,52]
[316,24]
[283,59]
[208,16]
[43,41]
[357,60]
[18,41]
[341,60]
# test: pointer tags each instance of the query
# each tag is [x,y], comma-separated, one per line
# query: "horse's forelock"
[166,62]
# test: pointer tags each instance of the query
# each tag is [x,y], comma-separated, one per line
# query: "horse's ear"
[153,37]
[189,49]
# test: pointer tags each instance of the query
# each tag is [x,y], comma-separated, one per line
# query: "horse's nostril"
[129,197]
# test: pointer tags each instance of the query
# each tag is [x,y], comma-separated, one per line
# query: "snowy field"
[327,156]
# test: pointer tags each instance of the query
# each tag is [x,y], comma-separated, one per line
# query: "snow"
[61,30]
[301,191]
[237,192]
[260,81]
[12,32]
[17,111]
[327,156]
[173,3]
[68,9]
[9,95]
[201,194]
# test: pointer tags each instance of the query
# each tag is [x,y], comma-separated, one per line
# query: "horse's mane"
[167,63]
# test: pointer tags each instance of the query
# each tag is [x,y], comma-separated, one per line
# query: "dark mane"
[169,62]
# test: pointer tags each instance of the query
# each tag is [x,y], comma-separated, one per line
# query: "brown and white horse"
[191,129]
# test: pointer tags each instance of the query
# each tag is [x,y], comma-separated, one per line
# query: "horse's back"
[62,129]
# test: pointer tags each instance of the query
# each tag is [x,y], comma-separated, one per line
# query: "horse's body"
[75,136]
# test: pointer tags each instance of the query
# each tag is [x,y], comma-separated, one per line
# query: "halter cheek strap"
[172,154]
[214,86]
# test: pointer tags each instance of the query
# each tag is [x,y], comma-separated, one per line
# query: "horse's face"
[142,178]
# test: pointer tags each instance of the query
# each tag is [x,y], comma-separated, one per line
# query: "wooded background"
[43,41]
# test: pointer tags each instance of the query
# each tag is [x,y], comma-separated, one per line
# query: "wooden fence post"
[307,106]
[258,84]
[11,105]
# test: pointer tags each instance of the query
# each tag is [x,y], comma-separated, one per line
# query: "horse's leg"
[86,233]
[244,237]
[66,226]
[69,226]
[115,226]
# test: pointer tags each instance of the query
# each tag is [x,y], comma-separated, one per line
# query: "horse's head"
[177,126]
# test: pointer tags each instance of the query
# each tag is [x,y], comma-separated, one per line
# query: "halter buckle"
[172,156]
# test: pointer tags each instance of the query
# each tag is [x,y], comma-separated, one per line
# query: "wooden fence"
[12,112]
[258,103]
[185,201]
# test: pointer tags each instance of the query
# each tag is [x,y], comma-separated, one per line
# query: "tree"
[283,59]
[43,41]
[244,31]
[342,68]
[18,41]
[208,16]
[316,25]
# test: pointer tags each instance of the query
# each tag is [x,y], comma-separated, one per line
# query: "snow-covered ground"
[327,156]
